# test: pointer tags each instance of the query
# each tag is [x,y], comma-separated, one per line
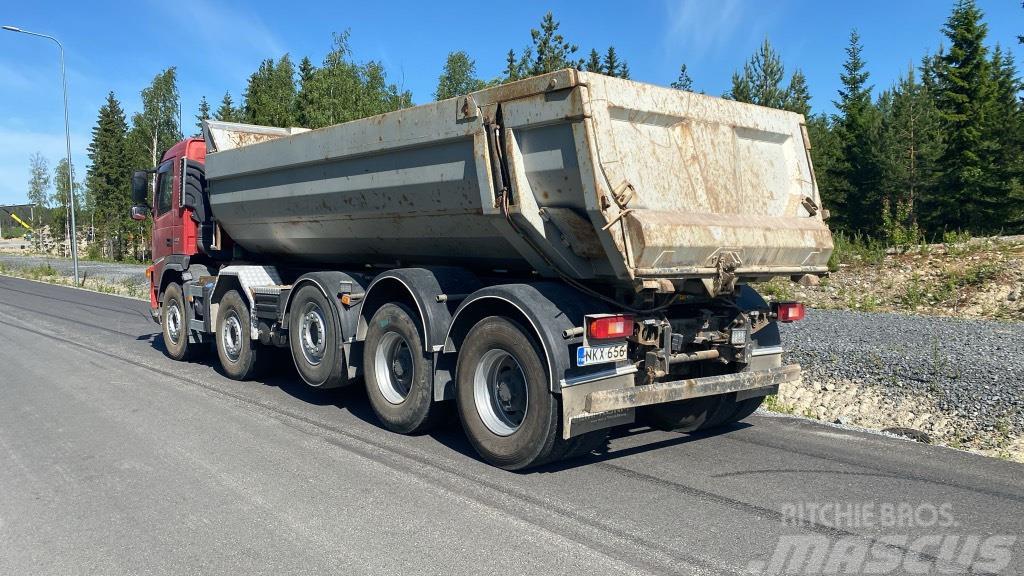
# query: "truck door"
[165,213]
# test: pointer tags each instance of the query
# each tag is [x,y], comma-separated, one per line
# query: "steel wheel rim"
[174,321]
[231,336]
[312,335]
[501,392]
[393,367]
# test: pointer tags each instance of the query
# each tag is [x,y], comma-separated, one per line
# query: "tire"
[174,322]
[238,353]
[744,408]
[507,409]
[315,340]
[687,415]
[398,373]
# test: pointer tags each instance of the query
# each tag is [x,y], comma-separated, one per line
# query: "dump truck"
[547,259]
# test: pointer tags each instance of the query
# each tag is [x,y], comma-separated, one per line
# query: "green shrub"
[14,232]
[856,249]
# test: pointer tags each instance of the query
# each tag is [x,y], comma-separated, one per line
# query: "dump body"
[609,180]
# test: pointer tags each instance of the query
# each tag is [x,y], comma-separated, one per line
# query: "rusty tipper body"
[556,256]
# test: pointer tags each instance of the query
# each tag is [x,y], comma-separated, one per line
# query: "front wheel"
[505,404]
[175,324]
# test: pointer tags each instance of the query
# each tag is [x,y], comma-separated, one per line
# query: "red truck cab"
[183,230]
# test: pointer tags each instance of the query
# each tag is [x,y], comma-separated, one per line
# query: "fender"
[549,308]
[345,318]
[174,262]
[423,286]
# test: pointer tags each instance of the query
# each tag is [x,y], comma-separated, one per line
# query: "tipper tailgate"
[699,176]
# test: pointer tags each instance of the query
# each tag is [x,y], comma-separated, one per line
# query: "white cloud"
[698,27]
[19,145]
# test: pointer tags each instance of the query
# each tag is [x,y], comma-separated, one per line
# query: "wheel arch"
[172,269]
[331,283]
[419,289]
[545,308]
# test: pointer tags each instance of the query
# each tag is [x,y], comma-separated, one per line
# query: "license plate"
[586,356]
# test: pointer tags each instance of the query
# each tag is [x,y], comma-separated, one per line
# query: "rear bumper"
[595,409]
[659,392]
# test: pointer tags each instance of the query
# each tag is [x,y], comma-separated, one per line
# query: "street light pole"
[67,137]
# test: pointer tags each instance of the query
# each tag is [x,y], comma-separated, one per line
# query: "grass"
[778,290]
[39,272]
[50,275]
[854,250]
[772,404]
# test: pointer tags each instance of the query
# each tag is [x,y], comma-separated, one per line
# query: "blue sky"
[216,44]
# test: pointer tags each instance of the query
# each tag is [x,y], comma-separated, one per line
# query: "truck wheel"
[175,323]
[686,415]
[314,339]
[238,353]
[398,373]
[744,408]
[505,404]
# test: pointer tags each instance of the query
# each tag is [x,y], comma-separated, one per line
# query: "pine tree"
[683,81]
[107,178]
[965,94]
[269,98]
[1004,157]
[227,111]
[458,77]
[594,62]
[798,97]
[624,70]
[761,80]
[856,176]
[826,150]
[204,114]
[38,189]
[910,145]
[303,113]
[611,64]
[551,51]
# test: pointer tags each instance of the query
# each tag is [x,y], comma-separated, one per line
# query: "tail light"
[609,327]
[790,311]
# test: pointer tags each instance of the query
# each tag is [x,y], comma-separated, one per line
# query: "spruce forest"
[939,152]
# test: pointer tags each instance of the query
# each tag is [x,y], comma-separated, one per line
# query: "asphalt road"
[117,460]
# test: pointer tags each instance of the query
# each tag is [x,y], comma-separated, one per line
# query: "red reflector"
[791,311]
[610,327]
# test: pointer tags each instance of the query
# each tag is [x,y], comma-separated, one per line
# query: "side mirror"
[140,188]
[140,212]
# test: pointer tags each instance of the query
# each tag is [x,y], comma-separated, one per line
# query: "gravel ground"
[110,272]
[969,368]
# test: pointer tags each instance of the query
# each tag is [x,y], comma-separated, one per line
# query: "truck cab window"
[164,189]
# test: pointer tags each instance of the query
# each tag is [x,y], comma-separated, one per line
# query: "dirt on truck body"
[554,256]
